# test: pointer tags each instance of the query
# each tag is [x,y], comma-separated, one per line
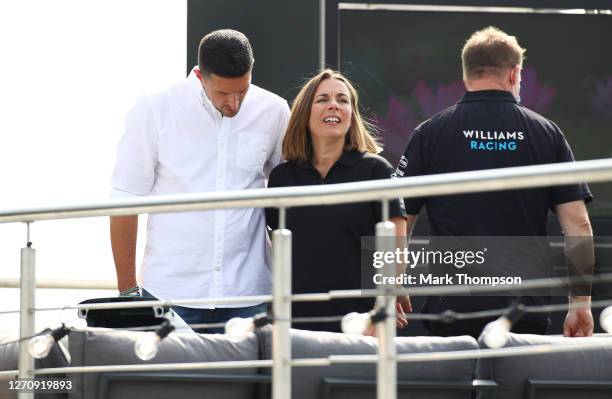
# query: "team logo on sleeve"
[399,171]
[486,140]
[403,162]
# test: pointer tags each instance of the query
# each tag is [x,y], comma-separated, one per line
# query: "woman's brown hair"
[297,144]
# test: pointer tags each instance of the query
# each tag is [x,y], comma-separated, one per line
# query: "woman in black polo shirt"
[328,142]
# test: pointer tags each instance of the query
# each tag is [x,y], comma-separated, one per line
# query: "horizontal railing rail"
[284,197]
[459,289]
[63,284]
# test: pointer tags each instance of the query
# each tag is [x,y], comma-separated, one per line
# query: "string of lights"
[448,316]
[551,282]
[16,341]
[494,335]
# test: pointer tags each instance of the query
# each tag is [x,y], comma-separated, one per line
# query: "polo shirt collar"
[348,158]
[488,95]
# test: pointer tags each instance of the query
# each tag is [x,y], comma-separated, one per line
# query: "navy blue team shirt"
[487,129]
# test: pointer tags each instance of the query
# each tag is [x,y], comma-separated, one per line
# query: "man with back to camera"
[214,131]
[467,137]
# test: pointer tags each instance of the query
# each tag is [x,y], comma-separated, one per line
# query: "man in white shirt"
[214,131]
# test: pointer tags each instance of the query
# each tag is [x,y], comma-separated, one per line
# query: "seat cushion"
[99,346]
[518,375]
[308,382]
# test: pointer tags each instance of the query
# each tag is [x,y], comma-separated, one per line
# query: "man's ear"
[514,74]
[198,73]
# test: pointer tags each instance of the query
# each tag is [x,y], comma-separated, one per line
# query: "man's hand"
[402,306]
[579,322]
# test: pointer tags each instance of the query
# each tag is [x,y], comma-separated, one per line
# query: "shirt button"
[217,269]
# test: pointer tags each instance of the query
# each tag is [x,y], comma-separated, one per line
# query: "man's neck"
[485,84]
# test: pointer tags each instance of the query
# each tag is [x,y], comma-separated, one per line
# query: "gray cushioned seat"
[98,346]
[9,355]
[335,381]
[577,374]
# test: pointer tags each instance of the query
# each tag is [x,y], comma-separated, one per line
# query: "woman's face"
[331,111]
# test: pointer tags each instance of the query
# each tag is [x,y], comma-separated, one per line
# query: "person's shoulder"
[281,173]
[538,120]
[375,160]
[283,167]
[268,98]
[162,95]
[439,119]
[443,116]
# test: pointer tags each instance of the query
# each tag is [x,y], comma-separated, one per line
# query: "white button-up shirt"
[177,142]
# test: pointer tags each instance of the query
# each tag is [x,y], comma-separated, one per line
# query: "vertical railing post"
[26,311]
[281,289]
[322,38]
[386,378]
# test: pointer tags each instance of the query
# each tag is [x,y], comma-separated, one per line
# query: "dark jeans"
[212,316]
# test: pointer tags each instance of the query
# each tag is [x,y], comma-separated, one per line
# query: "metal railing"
[283,198]
[63,284]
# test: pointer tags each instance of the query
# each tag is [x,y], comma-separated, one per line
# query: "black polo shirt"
[485,130]
[326,251]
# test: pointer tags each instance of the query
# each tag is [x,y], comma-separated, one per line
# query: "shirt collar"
[348,158]
[198,91]
[488,95]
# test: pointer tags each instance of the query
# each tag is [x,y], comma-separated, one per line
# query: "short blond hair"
[297,144]
[490,50]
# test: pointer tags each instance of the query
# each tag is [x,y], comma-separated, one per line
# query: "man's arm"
[123,234]
[410,220]
[133,176]
[576,226]
[402,305]
[404,229]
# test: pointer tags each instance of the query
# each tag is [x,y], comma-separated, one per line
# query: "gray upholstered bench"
[447,379]
[568,375]
[99,346]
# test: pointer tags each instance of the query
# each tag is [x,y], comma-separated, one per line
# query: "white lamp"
[146,348]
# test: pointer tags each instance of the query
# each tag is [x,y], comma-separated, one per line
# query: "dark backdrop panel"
[406,76]
[284,35]
[588,4]
[332,24]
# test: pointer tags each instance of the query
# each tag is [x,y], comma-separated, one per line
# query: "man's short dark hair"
[226,53]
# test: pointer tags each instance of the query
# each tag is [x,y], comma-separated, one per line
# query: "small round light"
[239,327]
[605,319]
[146,347]
[496,333]
[355,323]
[40,345]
